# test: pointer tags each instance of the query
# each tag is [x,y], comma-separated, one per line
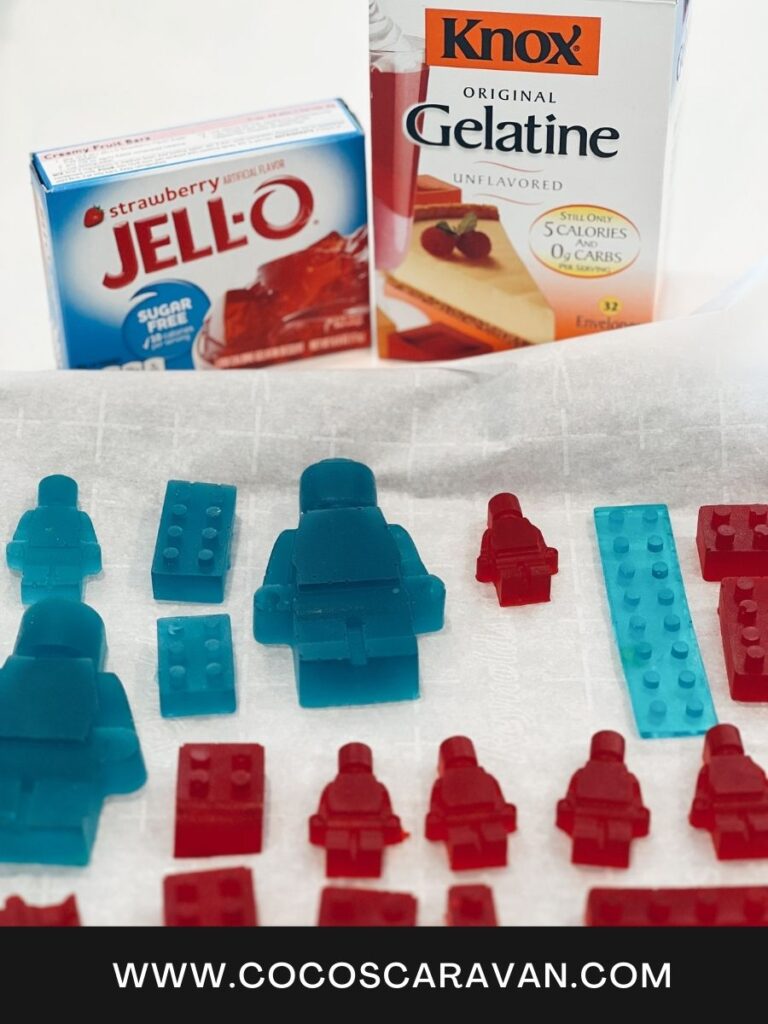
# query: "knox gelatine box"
[520,150]
[234,243]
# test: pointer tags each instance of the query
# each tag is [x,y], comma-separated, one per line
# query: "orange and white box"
[520,156]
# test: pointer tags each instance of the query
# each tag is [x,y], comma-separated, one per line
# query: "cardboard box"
[520,153]
[234,243]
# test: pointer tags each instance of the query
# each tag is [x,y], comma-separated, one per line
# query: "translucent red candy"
[513,555]
[731,800]
[467,810]
[355,821]
[733,540]
[219,799]
[210,899]
[603,810]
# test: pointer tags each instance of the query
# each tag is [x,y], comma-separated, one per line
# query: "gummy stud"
[54,546]
[743,611]
[355,821]
[18,914]
[195,666]
[470,906]
[365,908]
[467,810]
[732,540]
[653,659]
[732,907]
[67,738]
[219,799]
[603,810]
[192,557]
[731,800]
[210,899]
[348,593]
[513,555]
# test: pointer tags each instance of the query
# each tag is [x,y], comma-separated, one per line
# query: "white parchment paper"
[673,412]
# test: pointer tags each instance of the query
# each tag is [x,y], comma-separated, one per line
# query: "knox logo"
[545,43]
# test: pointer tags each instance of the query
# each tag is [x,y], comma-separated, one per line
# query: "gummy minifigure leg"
[730,836]
[463,844]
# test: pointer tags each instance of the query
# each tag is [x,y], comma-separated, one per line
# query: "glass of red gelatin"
[398,82]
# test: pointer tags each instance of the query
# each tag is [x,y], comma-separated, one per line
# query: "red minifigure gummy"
[355,821]
[603,810]
[733,907]
[210,899]
[366,908]
[743,611]
[513,555]
[219,799]
[731,798]
[733,540]
[470,906]
[18,914]
[467,810]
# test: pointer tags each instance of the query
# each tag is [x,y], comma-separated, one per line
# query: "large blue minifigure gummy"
[348,593]
[54,546]
[192,552]
[67,738]
[657,643]
[195,666]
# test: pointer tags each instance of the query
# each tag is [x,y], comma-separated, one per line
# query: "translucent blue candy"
[657,643]
[195,666]
[348,593]
[192,552]
[67,738]
[54,546]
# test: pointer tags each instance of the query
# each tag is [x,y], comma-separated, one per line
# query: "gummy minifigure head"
[502,506]
[722,739]
[55,628]
[457,752]
[57,490]
[607,746]
[355,758]
[336,483]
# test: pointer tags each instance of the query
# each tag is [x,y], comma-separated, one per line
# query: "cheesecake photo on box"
[462,289]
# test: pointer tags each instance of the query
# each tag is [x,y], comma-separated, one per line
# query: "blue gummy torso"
[657,644]
[348,593]
[54,546]
[195,666]
[67,738]
[192,553]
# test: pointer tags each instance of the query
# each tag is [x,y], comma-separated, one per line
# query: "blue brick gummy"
[657,644]
[192,553]
[195,666]
[67,738]
[54,546]
[348,593]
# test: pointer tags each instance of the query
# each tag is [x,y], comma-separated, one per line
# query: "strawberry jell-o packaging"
[231,244]
[520,151]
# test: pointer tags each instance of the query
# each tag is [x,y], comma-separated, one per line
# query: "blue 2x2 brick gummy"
[657,643]
[192,553]
[195,666]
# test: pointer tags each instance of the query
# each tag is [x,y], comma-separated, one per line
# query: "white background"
[87,69]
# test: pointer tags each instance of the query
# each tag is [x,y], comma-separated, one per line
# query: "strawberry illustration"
[93,216]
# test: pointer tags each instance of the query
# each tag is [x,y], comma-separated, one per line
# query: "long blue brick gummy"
[192,553]
[657,643]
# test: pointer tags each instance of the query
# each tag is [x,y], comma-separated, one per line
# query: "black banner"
[259,967]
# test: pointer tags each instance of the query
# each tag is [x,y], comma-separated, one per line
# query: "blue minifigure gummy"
[659,652]
[54,546]
[192,553]
[67,738]
[195,666]
[348,593]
